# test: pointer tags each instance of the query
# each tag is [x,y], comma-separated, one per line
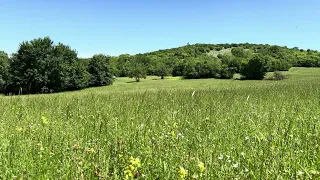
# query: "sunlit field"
[166,129]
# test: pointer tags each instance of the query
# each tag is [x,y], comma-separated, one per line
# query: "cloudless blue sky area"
[137,26]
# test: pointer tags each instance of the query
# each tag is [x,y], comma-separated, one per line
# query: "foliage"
[28,66]
[178,69]
[162,70]
[277,75]
[4,65]
[281,58]
[39,66]
[138,67]
[227,72]
[202,67]
[79,76]
[99,69]
[121,65]
[256,68]
[239,52]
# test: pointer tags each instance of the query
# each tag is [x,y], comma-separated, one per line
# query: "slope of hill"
[215,59]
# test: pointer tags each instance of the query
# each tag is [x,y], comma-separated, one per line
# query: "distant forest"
[40,66]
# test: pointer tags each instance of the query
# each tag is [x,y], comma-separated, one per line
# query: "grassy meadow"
[166,129]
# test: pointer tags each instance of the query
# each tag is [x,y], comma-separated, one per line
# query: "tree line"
[40,66]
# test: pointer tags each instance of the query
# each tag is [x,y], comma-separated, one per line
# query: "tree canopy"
[4,66]
[40,66]
[256,68]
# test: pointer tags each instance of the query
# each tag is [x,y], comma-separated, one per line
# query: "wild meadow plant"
[195,129]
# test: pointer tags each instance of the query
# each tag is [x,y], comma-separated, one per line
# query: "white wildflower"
[236,165]
[179,135]
[300,173]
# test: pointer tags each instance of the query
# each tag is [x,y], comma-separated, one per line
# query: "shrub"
[256,68]
[178,70]
[277,75]
[227,72]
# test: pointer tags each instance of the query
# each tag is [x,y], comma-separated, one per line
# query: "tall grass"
[244,130]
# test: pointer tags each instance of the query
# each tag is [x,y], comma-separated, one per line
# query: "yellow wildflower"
[19,129]
[201,167]
[175,125]
[128,174]
[135,161]
[182,172]
[173,133]
[91,150]
[132,168]
[44,120]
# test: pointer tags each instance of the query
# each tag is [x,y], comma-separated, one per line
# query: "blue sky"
[138,26]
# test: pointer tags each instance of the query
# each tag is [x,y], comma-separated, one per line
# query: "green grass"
[238,129]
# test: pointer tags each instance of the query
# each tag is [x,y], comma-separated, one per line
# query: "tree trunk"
[29,89]
[162,77]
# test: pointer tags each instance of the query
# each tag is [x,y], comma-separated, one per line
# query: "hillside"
[215,49]
[190,60]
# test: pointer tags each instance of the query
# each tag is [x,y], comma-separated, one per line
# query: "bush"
[203,68]
[277,75]
[178,70]
[227,72]
[256,68]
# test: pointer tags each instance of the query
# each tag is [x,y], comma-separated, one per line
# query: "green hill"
[202,57]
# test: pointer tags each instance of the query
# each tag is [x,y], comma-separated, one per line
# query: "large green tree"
[162,70]
[122,65]
[4,65]
[138,67]
[239,52]
[99,68]
[162,67]
[61,67]
[28,65]
[39,66]
[256,68]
